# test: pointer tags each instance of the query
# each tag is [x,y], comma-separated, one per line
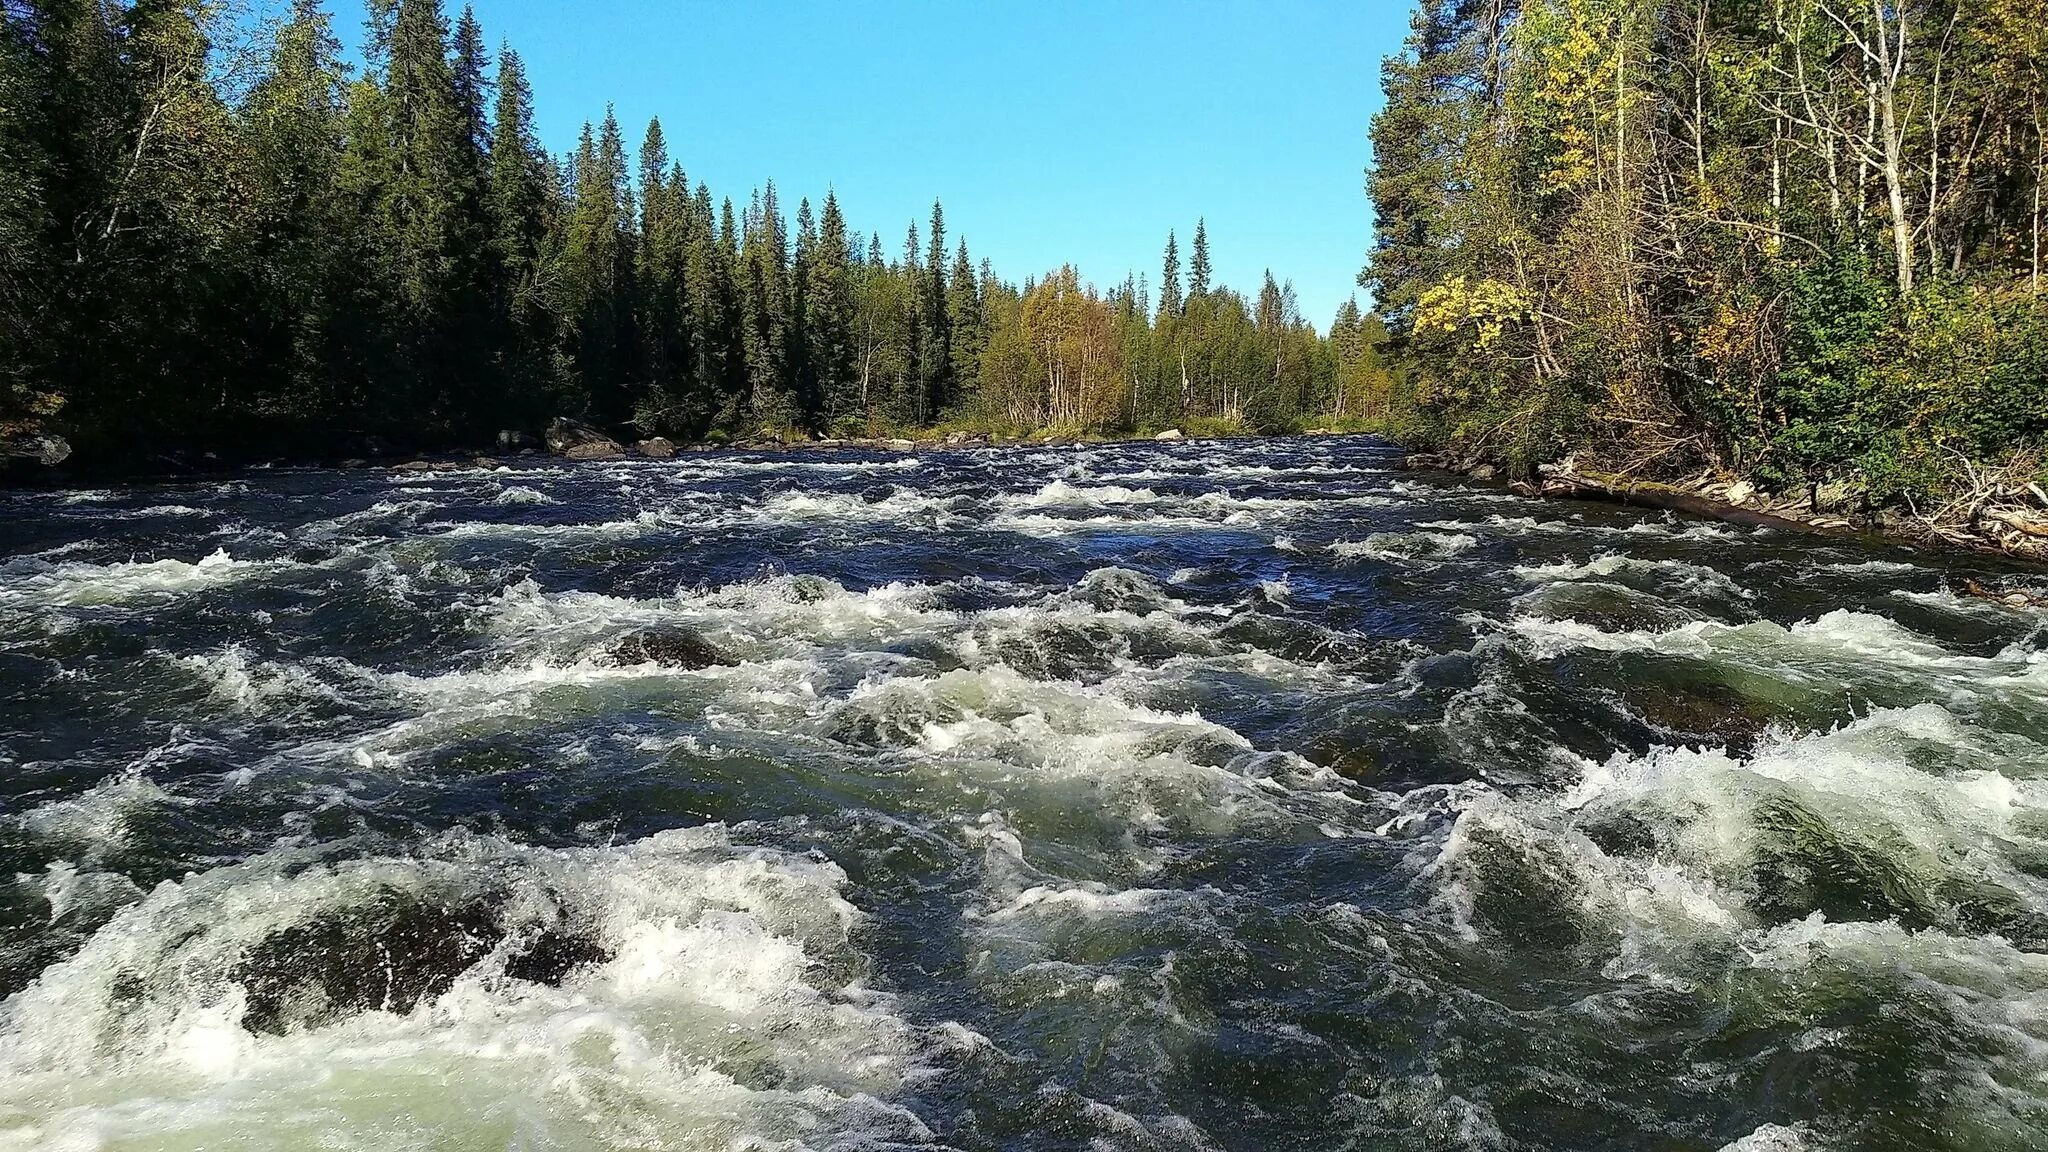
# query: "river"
[1245,795]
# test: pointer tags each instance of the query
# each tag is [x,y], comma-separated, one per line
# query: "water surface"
[1246,795]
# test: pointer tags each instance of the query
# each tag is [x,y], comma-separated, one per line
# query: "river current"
[1245,795]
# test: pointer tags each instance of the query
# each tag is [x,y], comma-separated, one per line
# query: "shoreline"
[479,458]
[1711,499]
[2025,546]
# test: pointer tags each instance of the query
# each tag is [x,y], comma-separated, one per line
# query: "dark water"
[1203,796]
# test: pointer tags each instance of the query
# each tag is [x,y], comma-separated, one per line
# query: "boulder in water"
[656,448]
[1171,434]
[575,440]
[677,648]
[36,448]
[512,440]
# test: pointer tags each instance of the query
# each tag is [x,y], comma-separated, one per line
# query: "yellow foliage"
[1479,309]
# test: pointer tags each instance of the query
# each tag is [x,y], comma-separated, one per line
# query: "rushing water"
[1203,796]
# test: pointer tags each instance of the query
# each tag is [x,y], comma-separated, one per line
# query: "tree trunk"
[1891,62]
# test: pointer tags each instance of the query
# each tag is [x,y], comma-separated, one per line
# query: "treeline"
[218,237]
[1799,240]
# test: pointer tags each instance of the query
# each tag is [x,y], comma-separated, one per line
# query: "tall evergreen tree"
[672,401]
[938,337]
[964,325]
[294,132]
[829,313]
[1169,280]
[1198,266]
[596,273]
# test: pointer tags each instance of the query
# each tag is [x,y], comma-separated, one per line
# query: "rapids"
[1248,795]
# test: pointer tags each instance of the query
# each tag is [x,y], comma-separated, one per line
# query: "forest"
[217,235]
[1798,241]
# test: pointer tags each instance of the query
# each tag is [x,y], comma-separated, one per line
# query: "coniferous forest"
[223,237]
[1798,241]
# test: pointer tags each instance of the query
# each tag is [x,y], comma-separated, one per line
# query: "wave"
[1401,546]
[76,584]
[686,982]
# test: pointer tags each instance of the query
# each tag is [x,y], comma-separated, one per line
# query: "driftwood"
[2010,597]
[1649,494]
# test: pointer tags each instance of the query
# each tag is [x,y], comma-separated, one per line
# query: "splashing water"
[1198,796]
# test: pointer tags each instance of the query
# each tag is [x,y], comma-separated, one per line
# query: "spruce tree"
[829,315]
[938,353]
[516,214]
[964,327]
[913,401]
[1169,281]
[596,274]
[671,403]
[1198,266]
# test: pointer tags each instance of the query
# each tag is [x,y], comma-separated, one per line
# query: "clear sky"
[1052,130]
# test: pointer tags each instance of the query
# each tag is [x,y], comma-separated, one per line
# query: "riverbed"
[1210,795]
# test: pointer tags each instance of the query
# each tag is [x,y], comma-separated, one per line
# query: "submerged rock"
[575,440]
[670,648]
[1171,434]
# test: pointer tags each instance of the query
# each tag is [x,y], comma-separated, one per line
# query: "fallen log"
[1650,494]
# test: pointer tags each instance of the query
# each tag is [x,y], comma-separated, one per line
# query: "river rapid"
[1246,795]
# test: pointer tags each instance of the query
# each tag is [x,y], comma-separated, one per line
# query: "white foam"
[1403,546]
[77,584]
[101,818]
[1840,645]
[1695,577]
[724,1000]
[1771,1138]
[514,494]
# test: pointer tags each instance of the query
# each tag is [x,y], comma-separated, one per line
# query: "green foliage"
[1716,234]
[332,259]
[1821,405]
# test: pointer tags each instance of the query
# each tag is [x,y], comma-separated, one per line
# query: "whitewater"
[1194,796]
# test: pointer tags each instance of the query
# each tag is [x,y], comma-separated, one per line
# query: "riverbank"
[2001,513]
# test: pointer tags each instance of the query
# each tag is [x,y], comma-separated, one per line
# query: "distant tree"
[1169,281]
[1198,269]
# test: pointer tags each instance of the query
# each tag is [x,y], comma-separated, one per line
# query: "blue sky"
[1053,131]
